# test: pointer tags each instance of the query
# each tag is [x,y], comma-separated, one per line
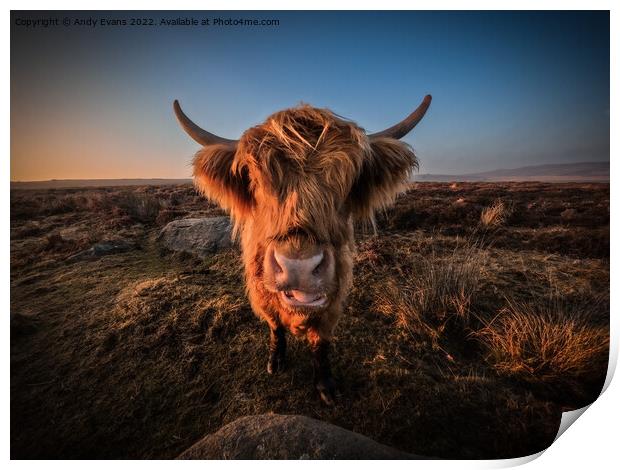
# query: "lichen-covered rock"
[200,237]
[272,436]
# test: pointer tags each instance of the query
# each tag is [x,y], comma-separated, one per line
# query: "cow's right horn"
[401,129]
[197,133]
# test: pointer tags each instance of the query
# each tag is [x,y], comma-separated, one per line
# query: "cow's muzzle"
[302,279]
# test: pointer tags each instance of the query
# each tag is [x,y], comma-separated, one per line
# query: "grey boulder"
[272,436]
[200,237]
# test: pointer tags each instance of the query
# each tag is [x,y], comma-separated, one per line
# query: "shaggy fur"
[299,180]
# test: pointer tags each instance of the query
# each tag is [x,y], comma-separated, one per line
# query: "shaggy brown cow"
[293,186]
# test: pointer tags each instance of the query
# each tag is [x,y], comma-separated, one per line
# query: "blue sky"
[509,88]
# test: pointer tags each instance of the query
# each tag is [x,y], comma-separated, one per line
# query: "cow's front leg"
[277,350]
[323,380]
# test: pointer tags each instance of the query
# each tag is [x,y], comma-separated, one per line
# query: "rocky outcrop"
[200,237]
[272,436]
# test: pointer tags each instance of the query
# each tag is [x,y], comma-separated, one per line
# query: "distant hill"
[55,184]
[579,172]
[569,172]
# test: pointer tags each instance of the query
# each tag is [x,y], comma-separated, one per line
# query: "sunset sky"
[509,89]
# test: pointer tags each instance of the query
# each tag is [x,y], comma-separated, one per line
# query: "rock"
[107,248]
[200,237]
[102,249]
[272,436]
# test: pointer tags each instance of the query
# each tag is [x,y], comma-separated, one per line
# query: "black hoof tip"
[327,392]
[276,364]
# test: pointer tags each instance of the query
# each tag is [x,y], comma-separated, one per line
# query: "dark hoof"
[276,363]
[327,391]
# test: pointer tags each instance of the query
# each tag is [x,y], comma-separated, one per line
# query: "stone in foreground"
[272,436]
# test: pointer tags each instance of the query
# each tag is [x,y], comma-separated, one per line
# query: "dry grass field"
[480,312]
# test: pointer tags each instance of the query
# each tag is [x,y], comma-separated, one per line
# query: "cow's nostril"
[319,267]
[276,265]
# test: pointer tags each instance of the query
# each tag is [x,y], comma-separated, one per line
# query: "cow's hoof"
[327,391]
[276,363]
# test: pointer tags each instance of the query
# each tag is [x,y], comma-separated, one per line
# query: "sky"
[509,89]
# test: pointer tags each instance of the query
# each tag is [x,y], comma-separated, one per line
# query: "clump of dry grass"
[558,343]
[441,291]
[494,215]
[140,206]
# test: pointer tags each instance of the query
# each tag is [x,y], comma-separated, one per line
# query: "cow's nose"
[295,272]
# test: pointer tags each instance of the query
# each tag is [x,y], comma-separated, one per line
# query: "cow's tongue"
[303,297]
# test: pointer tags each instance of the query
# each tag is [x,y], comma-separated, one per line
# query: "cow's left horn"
[197,133]
[404,127]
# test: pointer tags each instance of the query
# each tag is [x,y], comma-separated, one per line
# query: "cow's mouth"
[297,298]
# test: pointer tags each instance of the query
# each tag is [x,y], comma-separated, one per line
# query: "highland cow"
[294,185]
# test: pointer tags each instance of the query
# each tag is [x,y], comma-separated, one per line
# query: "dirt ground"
[480,312]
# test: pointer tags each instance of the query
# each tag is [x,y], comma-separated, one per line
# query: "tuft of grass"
[441,291]
[139,206]
[558,343]
[494,215]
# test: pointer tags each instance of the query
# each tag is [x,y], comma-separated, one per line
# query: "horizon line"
[189,178]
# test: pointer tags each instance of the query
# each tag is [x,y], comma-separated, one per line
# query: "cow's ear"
[216,176]
[384,173]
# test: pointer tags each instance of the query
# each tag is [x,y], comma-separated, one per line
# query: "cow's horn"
[404,127]
[198,134]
